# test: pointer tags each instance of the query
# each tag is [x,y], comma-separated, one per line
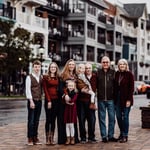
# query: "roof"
[135,10]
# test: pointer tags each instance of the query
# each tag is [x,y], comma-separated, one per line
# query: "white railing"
[130,31]
[41,2]
[32,20]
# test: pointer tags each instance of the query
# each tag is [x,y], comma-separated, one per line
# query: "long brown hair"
[65,72]
[57,70]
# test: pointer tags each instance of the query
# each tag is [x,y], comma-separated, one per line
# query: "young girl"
[84,85]
[50,86]
[70,113]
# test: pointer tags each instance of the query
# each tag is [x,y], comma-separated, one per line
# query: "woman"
[124,88]
[68,73]
[50,86]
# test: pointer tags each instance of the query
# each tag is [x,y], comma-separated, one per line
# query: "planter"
[145,117]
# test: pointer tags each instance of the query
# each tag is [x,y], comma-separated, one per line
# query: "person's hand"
[49,106]
[67,98]
[32,105]
[128,103]
[71,103]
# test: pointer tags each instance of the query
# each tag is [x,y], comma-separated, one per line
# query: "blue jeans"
[108,106]
[122,115]
[33,118]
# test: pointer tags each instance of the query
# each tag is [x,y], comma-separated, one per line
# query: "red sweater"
[50,86]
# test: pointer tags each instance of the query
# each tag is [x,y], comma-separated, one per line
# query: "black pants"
[86,114]
[51,115]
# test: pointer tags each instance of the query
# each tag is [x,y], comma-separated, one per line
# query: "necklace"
[120,79]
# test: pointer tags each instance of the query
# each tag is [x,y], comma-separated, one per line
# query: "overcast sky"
[133,1]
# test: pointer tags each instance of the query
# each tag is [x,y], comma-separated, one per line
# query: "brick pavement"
[13,137]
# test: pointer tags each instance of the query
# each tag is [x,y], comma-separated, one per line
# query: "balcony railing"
[102,18]
[58,33]
[32,20]
[101,39]
[129,31]
[59,7]
[77,8]
[91,33]
[8,12]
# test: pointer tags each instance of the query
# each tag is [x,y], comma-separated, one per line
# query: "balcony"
[61,8]
[102,18]
[101,39]
[58,33]
[91,34]
[32,20]
[128,31]
[77,8]
[7,12]
[34,2]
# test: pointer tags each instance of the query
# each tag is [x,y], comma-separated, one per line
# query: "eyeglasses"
[53,67]
[88,68]
[105,62]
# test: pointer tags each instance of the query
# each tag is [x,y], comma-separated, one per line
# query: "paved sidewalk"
[13,137]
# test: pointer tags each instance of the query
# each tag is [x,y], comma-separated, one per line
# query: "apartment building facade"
[84,30]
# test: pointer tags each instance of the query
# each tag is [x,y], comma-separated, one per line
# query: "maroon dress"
[70,113]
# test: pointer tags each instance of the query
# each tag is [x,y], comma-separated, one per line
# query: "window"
[23,9]
[142,25]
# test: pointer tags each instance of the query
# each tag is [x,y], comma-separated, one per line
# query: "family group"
[73,96]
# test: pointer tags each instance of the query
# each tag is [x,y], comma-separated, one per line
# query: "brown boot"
[30,141]
[36,141]
[48,142]
[72,141]
[68,141]
[93,106]
[52,138]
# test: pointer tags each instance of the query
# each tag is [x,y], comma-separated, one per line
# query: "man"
[84,111]
[34,104]
[105,88]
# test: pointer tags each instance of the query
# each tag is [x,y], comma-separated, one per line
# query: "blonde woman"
[68,73]
[124,88]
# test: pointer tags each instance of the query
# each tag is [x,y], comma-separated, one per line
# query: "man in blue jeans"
[105,88]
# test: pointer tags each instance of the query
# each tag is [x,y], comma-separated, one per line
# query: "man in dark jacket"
[84,111]
[105,89]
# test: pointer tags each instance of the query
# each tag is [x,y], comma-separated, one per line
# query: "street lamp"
[41,52]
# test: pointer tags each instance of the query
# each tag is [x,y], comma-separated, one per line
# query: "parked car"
[140,87]
[148,89]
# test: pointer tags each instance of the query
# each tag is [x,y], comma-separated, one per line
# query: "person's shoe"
[104,140]
[68,140]
[72,141]
[124,139]
[83,141]
[92,141]
[113,139]
[30,142]
[120,137]
[37,141]
[93,106]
